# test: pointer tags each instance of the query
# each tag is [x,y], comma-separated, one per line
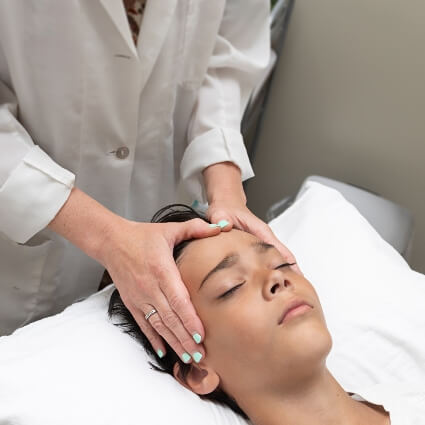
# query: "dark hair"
[170,213]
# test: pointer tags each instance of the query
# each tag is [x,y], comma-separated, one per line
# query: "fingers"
[178,314]
[222,216]
[246,220]
[147,277]
[176,320]
[192,229]
[167,324]
[223,220]
[155,327]
[150,333]
[287,254]
[250,223]
[266,234]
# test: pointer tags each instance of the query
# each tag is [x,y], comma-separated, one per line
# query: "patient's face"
[244,343]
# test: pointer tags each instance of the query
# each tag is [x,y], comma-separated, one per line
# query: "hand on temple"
[227,201]
[139,259]
[239,216]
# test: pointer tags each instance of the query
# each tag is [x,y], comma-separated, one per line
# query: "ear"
[200,379]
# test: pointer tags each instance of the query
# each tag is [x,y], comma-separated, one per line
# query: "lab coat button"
[122,153]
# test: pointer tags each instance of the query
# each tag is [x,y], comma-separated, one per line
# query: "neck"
[321,401]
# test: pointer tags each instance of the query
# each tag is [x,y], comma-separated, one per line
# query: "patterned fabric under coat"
[135,9]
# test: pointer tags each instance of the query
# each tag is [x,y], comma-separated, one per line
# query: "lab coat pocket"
[21,269]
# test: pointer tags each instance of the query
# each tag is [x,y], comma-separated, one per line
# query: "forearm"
[223,183]
[85,223]
[88,224]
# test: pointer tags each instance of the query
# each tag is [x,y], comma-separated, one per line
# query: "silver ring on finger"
[153,311]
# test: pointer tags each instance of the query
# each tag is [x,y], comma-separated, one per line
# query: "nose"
[275,283]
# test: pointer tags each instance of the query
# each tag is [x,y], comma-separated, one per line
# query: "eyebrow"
[261,246]
[233,258]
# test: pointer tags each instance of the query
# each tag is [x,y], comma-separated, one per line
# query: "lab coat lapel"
[156,21]
[116,11]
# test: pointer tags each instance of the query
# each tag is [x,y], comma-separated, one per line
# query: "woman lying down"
[265,363]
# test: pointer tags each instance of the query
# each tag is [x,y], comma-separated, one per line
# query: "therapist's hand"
[138,257]
[227,201]
[240,217]
[139,260]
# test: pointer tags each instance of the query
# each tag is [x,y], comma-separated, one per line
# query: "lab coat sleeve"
[241,54]
[32,186]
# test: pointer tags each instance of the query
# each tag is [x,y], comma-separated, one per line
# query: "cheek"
[244,334]
[237,334]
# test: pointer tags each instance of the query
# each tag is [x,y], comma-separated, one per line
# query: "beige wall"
[348,102]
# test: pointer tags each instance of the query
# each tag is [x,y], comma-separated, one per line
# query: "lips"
[294,303]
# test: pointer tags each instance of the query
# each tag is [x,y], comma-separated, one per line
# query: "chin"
[307,343]
[300,359]
[317,345]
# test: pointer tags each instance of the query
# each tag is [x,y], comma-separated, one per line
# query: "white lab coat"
[74,89]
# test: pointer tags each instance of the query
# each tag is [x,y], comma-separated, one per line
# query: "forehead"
[201,255]
[216,246]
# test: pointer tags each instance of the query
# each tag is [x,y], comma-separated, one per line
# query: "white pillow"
[78,368]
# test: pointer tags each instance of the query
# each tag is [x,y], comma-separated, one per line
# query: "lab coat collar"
[156,20]
[116,12]
[155,25]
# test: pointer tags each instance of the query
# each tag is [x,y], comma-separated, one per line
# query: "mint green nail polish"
[197,337]
[186,357]
[197,356]
[214,225]
[160,353]
[223,223]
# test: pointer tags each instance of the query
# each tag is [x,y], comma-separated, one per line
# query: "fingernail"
[197,337]
[214,225]
[195,203]
[186,357]
[222,223]
[160,353]
[197,356]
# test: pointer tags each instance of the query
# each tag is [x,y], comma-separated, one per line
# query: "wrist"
[223,183]
[86,223]
[108,238]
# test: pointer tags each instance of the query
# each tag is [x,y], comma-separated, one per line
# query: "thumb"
[194,229]
[222,219]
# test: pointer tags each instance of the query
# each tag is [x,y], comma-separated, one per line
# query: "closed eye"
[230,291]
[284,265]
